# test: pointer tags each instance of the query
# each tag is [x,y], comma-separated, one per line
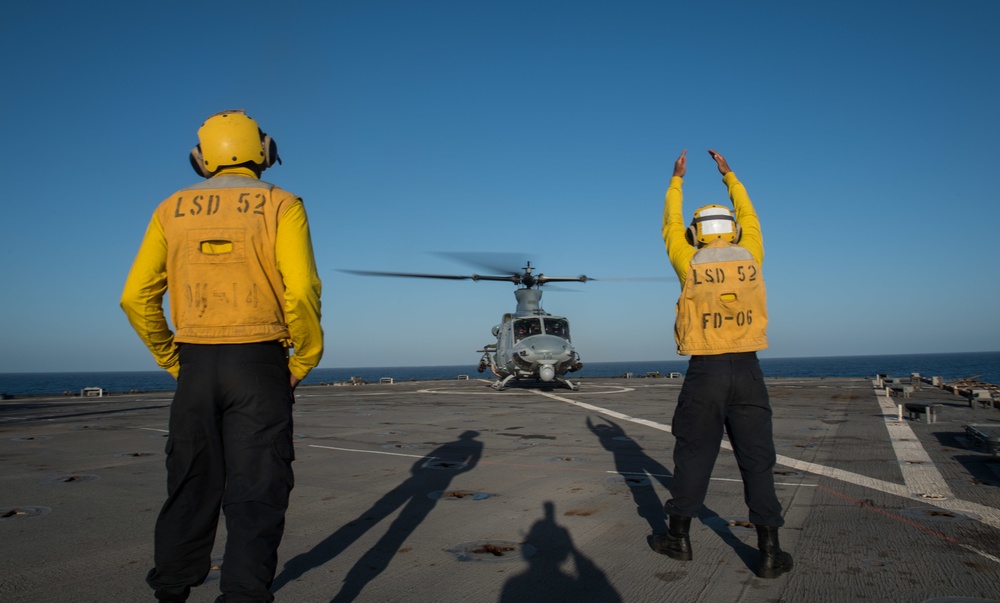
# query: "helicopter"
[530,342]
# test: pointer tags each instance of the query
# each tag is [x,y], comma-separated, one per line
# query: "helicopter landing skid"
[569,384]
[500,385]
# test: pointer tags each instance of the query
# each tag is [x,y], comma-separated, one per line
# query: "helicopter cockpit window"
[558,327]
[526,327]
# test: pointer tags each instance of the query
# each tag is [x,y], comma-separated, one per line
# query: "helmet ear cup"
[270,151]
[198,162]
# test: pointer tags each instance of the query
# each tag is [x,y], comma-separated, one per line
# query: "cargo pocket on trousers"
[283,448]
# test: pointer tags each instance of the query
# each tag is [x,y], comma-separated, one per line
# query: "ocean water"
[984,366]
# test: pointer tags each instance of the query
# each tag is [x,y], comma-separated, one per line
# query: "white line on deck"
[921,483]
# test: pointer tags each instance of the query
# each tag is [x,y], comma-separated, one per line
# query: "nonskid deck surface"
[450,491]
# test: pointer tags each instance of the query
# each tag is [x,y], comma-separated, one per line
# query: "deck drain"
[135,454]
[459,495]
[633,481]
[444,464]
[977,482]
[71,479]
[19,512]
[398,445]
[729,524]
[567,459]
[932,496]
[493,551]
[788,473]
[31,438]
[384,433]
[935,514]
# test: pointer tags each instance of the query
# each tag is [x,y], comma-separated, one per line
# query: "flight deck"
[450,491]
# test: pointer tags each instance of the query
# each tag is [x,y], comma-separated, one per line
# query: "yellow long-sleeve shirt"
[147,283]
[680,251]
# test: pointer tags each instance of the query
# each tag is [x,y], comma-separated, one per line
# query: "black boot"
[676,543]
[773,561]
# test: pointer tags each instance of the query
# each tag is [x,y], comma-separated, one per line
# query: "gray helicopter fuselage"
[533,344]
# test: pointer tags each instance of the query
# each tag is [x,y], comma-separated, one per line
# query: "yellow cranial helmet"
[712,222]
[232,138]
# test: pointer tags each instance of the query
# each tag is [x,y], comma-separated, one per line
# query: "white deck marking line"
[412,456]
[919,472]
[981,513]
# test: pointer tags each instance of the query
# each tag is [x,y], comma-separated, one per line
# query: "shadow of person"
[545,579]
[721,526]
[431,473]
[639,471]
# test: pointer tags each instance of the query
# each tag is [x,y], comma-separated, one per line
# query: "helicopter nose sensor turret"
[546,372]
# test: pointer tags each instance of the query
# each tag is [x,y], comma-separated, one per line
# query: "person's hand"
[680,166]
[295,381]
[721,162]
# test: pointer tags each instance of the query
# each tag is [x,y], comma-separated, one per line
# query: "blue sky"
[865,132]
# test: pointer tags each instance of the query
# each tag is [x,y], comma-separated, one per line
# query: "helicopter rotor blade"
[649,279]
[406,274]
[497,262]
[452,277]
[542,279]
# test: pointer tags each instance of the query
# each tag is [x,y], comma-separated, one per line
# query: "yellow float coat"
[236,255]
[723,304]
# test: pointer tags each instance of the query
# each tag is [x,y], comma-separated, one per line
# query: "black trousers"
[726,391]
[230,446]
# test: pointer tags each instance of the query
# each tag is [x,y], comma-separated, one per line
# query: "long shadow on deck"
[639,470]
[430,473]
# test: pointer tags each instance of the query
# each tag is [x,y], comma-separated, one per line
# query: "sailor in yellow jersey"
[236,254]
[721,323]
